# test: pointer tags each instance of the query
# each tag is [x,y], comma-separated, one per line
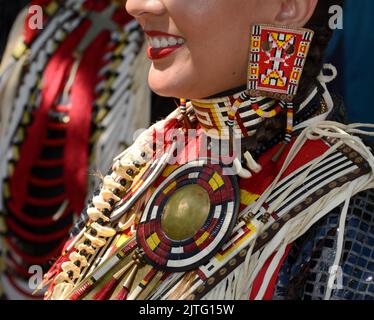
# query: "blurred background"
[8,13]
[351,52]
[70,92]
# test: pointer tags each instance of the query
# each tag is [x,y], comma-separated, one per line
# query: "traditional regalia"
[202,207]
[68,93]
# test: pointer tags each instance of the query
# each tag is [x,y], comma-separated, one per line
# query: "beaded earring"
[276,63]
[251,163]
[183,110]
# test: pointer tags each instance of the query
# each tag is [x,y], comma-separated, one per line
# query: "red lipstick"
[159,53]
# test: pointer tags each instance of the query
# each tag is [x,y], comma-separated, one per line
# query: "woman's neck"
[227,93]
[213,113]
[254,131]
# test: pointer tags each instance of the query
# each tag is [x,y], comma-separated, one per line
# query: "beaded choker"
[252,118]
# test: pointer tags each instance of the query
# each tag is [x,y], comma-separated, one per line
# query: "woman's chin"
[164,85]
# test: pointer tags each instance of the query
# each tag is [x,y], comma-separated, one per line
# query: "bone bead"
[62,277]
[122,172]
[128,165]
[251,163]
[127,222]
[107,194]
[70,266]
[86,248]
[115,165]
[242,173]
[61,291]
[109,183]
[75,256]
[104,231]
[96,242]
[99,203]
[95,215]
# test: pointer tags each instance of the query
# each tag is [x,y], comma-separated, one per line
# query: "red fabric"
[34,221]
[76,146]
[45,202]
[13,265]
[39,238]
[121,16]
[54,80]
[260,182]
[82,96]
[48,163]
[46,183]
[76,152]
[94,5]
[29,34]
[31,259]
[260,277]
[311,150]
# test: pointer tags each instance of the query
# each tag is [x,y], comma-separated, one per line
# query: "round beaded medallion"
[189,217]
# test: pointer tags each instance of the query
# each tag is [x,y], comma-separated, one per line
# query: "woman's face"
[200,47]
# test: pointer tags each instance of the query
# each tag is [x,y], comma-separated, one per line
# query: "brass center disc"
[186,212]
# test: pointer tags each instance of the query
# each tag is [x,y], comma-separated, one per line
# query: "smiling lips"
[162,44]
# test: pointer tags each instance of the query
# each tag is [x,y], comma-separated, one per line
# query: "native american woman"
[254,188]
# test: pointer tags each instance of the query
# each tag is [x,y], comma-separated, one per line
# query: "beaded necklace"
[97,238]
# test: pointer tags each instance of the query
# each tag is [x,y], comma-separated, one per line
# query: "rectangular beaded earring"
[276,63]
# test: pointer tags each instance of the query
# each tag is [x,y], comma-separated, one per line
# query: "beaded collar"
[212,115]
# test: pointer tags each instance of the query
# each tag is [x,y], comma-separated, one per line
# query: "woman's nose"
[138,8]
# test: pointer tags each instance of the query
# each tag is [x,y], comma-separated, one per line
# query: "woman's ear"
[295,13]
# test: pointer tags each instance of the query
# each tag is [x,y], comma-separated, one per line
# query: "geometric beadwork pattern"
[305,272]
[187,254]
[213,116]
[277,59]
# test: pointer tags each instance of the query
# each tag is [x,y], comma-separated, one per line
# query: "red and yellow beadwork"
[277,59]
[205,217]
